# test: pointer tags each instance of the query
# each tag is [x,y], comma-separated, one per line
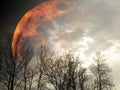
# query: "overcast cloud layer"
[103,27]
[95,28]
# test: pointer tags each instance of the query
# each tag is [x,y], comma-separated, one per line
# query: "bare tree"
[65,72]
[12,66]
[101,71]
[83,78]
[27,54]
[44,53]
[53,71]
[31,77]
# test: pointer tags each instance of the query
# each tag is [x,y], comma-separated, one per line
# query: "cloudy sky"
[100,31]
[93,26]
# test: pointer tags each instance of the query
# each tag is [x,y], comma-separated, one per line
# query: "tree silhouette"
[43,54]
[12,67]
[65,73]
[51,71]
[101,71]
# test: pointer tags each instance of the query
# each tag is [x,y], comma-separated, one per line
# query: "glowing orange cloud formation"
[28,25]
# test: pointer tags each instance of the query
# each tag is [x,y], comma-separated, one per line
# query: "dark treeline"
[48,71]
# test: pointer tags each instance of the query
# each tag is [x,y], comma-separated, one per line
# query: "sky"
[95,28]
[11,13]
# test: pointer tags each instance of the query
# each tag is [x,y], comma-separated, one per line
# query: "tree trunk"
[12,83]
[39,80]
[25,83]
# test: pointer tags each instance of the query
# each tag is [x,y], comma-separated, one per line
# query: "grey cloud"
[104,15]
